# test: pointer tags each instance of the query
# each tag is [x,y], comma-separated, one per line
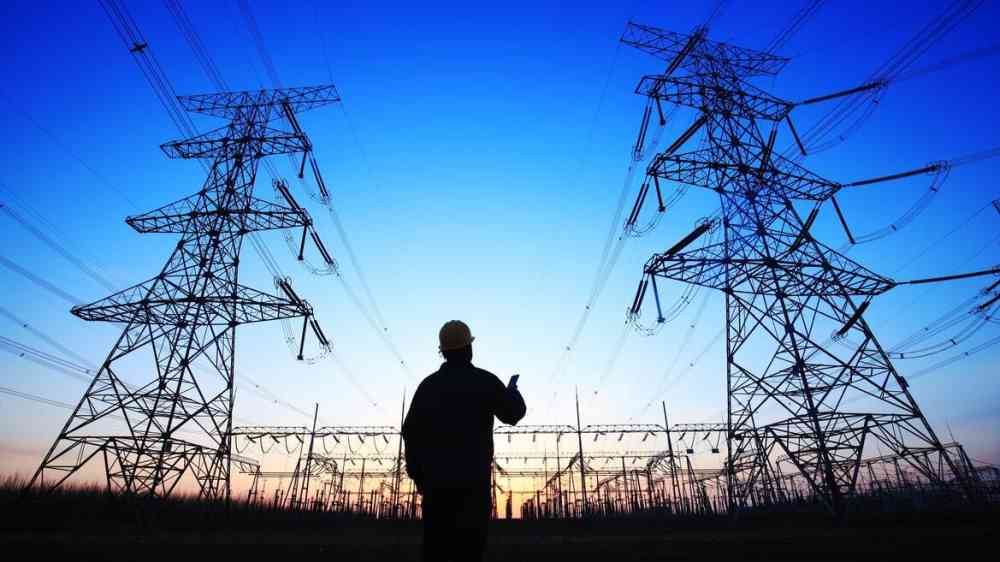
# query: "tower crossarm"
[279,432]
[622,428]
[359,430]
[700,427]
[690,91]
[667,45]
[909,452]
[850,422]
[793,275]
[536,429]
[704,266]
[177,217]
[230,104]
[591,455]
[701,168]
[221,143]
[254,432]
[124,445]
[159,302]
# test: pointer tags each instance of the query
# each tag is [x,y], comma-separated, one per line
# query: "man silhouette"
[449,447]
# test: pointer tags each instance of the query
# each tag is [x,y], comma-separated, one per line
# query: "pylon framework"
[149,431]
[571,481]
[790,394]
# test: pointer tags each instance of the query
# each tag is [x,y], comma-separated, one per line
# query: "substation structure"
[805,418]
[160,407]
[550,471]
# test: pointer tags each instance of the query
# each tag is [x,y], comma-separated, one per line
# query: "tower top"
[228,104]
[694,50]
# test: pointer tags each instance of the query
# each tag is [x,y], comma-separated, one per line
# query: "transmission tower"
[150,427]
[790,394]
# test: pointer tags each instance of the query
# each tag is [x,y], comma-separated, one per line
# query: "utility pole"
[649,487]
[625,484]
[361,486]
[670,451]
[309,455]
[340,484]
[399,457]
[583,463]
[293,485]
[559,470]
[545,478]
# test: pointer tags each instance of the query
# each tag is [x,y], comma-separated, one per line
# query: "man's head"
[455,341]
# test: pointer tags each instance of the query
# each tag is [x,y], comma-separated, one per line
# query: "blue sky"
[488,149]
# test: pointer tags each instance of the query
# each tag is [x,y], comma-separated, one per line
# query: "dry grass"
[91,524]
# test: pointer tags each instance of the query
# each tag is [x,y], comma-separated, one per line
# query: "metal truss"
[687,92]
[698,54]
[549,484]
[183,321]
[253,433]
[231,105]
[362,480]
[219,144]
[786,293]
[699,169]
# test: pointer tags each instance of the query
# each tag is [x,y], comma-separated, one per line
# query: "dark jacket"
[449,429]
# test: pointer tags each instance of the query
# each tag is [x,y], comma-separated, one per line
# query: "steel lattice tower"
[178,420]
[791,394]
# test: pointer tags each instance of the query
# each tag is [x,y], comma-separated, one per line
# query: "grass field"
[87,524]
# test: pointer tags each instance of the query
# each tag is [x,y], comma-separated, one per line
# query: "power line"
[58,248]
[611,254]
[64,405]
[67,149]
[129,31]
[793,27]
[36,398]
[373,316]
[197,295]
[782,287]
[613,247]
[81,370]
[62,364]
[818,136]
[258,40]
[58,231]
[187,29]
[273,398]
[47,360]
[43,336]
[71,299]
[210,69]
[937,242]
[138,47]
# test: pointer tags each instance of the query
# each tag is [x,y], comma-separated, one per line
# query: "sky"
[475,163]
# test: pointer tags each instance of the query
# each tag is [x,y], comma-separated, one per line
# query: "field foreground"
[518,541]
[95,526]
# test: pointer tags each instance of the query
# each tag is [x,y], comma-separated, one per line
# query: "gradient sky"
[489,145]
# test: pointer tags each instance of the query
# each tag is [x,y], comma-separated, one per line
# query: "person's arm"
[509,405]
[412,437]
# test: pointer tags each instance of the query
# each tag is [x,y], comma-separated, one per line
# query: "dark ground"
[524,542]
[88,525]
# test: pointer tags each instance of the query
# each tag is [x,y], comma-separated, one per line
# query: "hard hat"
[455,334]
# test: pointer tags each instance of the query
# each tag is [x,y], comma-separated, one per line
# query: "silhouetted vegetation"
[87,522]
